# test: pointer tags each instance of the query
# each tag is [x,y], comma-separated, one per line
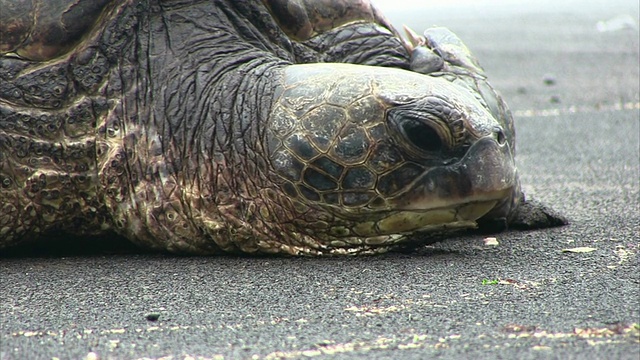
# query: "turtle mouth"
[455,216]
[408,227]
[403,222]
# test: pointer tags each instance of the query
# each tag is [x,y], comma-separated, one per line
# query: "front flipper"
[533,214]
[530,214]
[440,42]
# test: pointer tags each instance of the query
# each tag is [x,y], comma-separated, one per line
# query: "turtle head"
[378,152]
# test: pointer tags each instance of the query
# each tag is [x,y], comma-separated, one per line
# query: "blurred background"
[541,54]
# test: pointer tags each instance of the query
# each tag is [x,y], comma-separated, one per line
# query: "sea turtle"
[273,126]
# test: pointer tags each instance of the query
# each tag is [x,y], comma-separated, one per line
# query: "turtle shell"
[304,19]
[42,30]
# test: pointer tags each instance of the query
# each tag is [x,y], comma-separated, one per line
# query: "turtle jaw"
[396,226]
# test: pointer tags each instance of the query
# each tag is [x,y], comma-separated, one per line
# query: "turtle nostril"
[500,136]
[422,135]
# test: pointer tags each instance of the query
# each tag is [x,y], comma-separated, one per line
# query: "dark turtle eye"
[419,132]
[422,135]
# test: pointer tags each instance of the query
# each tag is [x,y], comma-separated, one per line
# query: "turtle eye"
[420,133]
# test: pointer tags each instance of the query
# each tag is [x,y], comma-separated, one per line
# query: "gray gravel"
[526,298]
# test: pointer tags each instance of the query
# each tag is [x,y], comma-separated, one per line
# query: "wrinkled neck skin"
[182,154]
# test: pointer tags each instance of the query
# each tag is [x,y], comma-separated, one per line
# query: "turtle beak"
[486,175]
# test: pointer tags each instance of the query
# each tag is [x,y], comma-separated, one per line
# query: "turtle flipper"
[533,214]
[530,214]
[442,43]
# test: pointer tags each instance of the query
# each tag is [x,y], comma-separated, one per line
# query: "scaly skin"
[177,126]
